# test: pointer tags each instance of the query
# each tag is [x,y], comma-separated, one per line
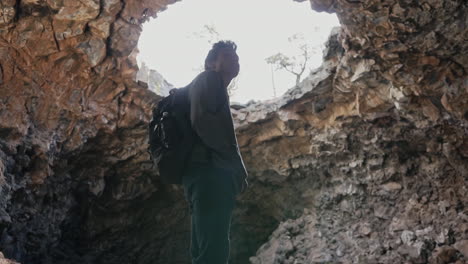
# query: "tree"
[295,64]
[208,32]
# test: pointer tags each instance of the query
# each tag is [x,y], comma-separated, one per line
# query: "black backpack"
[171,136]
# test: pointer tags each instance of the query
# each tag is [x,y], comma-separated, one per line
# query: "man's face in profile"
[228,62]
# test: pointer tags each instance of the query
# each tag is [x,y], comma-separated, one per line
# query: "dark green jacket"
[211,120]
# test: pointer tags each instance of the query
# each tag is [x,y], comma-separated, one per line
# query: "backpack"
[171,136]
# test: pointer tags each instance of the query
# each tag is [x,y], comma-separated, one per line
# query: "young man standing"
[215,172]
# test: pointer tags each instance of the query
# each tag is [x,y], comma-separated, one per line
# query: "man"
[215,172]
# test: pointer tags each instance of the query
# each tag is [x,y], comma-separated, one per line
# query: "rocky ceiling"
[368,156]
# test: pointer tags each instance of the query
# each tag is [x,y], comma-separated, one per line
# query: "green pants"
[211,198]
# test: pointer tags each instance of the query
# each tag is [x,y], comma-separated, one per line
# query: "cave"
[364,162]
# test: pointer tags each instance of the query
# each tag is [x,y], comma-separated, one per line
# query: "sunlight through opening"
[174,45]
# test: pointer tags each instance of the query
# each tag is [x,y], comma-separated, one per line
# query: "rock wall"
[74,173]
[382,186]
[368,156]
[6,261]
[153,80]
[381,191]
[379,165]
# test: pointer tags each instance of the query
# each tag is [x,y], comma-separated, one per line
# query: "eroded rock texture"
[3,260]
[385,186]
[373,144]
[381,191]
[73,165]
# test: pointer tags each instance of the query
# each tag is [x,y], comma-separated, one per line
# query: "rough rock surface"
[380,140]
[385,186]
[382,191]
[3,260]
[153,80]
[373,144]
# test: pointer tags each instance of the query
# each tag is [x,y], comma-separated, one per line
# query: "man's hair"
[213,53]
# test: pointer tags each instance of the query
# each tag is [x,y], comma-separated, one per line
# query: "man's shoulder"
[207,78]
[210,75]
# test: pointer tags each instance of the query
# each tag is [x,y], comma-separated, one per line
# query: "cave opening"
[172,46]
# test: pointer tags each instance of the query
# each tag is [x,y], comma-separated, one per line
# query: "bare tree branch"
[292,64]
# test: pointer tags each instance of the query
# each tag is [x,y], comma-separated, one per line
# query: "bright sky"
[260,28]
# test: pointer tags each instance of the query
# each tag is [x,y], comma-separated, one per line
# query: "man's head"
[223,58]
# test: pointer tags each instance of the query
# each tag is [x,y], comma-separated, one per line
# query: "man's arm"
[212,93]
[210,114]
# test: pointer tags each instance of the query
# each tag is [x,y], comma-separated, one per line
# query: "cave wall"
[374,136]
[73,164]
[373,146]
